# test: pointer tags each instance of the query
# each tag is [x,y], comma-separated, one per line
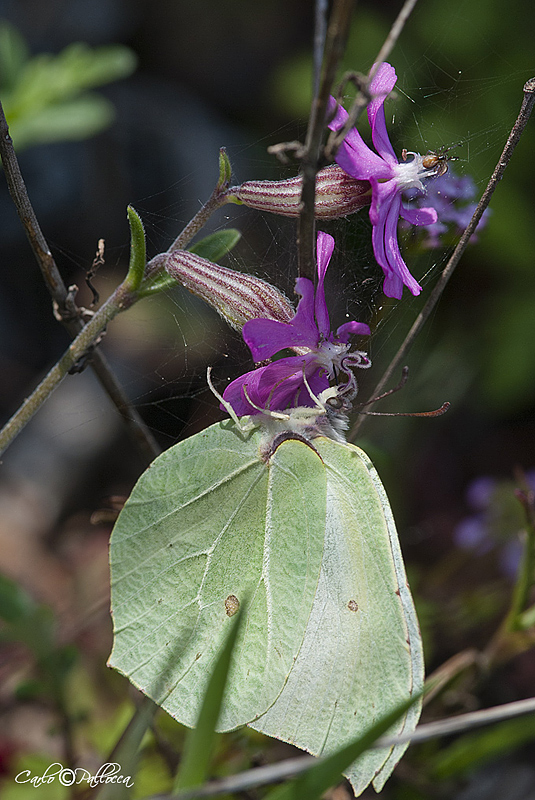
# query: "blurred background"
[137,115]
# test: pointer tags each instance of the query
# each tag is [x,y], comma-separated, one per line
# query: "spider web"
[164,345]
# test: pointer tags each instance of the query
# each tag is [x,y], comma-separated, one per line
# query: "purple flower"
[321,354]
[389,178]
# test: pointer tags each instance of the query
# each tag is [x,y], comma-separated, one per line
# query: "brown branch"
[63,299]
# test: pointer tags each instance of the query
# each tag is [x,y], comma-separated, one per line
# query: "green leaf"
[225,170]
[527,619]
[138,250]
[49,79]
[198,746]
[15,604]
[330,641]
[216,245]
[155,284]
[13,55]
[72,120]
[127,752]
[47,97]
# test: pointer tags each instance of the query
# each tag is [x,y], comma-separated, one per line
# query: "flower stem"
[512,141]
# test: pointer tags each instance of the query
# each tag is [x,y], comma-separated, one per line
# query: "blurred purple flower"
[495,524]
[321,354]
[389,178]
[450,196]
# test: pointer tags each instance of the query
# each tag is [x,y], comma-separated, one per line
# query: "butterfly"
[279,509]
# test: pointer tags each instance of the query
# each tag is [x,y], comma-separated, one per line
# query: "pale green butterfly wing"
[361,655]
[331,640]
[208,521]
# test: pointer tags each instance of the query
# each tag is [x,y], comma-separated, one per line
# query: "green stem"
[526,573]
[119,301]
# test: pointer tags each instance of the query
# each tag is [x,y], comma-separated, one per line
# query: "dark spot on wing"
[232,604]
[353,605]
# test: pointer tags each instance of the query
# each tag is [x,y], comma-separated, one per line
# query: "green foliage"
[45,97]
[33,625]
[128,750]
[225,170]
[37,765]
[310,537]
[216,245]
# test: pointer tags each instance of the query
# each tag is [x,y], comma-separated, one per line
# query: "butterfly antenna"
[226,405]
[317,401]
[400,385]
[273,414]
[436,413]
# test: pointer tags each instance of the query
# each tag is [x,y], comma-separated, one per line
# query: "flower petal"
[383,194]
[352,137]
[382,84]
[304,316]
[354,155]
[324,251]
[419,216]
[352,329]
[394,261]
[277,386]
[265,337]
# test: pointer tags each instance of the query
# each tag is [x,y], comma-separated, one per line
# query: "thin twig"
[512,141]
[363,97]
[62,297]
[337,33]
[290,768]
[320,34]
[119,301]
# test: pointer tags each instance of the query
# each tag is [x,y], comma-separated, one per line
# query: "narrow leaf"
[199,741]
[216,245]
[158,283]
[476,749]
[138,252]
[126,753]
[225,170]
[328,771]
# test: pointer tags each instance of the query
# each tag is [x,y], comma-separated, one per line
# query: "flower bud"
[237,296]
[337,194]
